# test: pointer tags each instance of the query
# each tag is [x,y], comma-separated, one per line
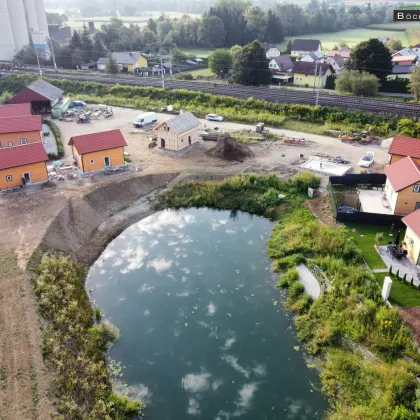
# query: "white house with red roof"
[412,236]
[402,187]
[402,147]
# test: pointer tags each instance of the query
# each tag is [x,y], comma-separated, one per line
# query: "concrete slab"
[309,281]
[318,165]
[371,202]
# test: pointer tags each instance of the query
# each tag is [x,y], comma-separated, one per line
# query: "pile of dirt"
[228,148]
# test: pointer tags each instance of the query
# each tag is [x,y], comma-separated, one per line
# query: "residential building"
[179,132]
[402,147]
[401,72]
[402,187]
[23,165]
[304,74]
[412,236]
[337,63]
[281,68]
[15,110]
[404,60]
[271,50]
[406,52]
[313,57]
[344,52]
[416,49]
[384,39]
[61,35]
[301,47]
[98,151]
[17,131]
[125,60]
[43,97]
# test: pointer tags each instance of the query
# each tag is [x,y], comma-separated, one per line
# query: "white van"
[144,119]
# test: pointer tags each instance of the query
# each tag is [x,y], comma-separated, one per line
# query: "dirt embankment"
[87,222]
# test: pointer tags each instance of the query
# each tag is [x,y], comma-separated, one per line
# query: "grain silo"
[41,16]
[7,42]
[18,23]
[31,18]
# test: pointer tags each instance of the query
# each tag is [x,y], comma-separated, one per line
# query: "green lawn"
[402,294]
[350,36]
[201,72]
[198,52]
[365,240]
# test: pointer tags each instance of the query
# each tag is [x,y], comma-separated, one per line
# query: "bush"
[379,237]
[390,270]
[397,274]
[4,97]
[57,134]
[296,289]
[289,278]
[405,277]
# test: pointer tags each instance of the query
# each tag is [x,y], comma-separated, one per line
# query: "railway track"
[381,106]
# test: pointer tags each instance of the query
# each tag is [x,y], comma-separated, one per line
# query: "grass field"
[198,52]
[201,72]
[351,36]
[402,294]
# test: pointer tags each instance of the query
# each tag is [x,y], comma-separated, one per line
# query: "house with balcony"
[281,68]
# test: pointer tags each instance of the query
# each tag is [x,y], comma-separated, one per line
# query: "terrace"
[372,201]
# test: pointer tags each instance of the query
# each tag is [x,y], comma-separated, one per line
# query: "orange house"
[15,110]
[98,151]
[402,147]
[23,165]
[20,130]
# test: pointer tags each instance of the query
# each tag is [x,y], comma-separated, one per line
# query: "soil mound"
[228,148]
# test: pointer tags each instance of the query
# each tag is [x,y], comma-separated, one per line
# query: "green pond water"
[203,331]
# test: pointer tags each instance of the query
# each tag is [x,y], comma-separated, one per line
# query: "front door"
[417,205]
[107,162]
[27,177]
[162,143]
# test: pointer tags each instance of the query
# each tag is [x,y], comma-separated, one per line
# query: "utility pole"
[170,62]
[161,72]
[37,59]
[52,52]
[316,68]
[319,85]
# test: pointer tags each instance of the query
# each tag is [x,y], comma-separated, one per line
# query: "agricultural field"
[198,52]
[201,72]
[351,36]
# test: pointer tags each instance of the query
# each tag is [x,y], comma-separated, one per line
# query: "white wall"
[391,195]
[273,52]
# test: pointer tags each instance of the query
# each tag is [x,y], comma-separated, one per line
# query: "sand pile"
[228,148]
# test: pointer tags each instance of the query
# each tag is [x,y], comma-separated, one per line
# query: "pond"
[203,331]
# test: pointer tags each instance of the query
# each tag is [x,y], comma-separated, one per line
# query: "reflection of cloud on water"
[163,220]
[186,270]
[211,309]
[216,384]
[196,382]
[259,370]
[153,243]
[193,407]
[184,293]
[233,362]
[231,231]
[117,262]
[298,410]
[146,312]
[134,257]
[246,393]
[228,343]
[160,264]
[145,288]
[137,391]
[216,223]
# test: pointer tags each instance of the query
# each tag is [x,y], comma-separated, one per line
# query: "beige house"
[178,133]
[402,187]
[412,236]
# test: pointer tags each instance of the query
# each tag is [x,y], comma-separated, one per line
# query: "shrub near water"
[74,347]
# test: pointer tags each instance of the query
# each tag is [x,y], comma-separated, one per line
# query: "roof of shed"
[20,124]
[182,123]
[403,173]
[95,142]
[11,157]
[46,90]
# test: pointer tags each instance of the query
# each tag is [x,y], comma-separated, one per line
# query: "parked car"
[214,117]
[367,160]
[145,119]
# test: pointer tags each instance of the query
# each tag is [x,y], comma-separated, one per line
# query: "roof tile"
[45,89]
[403,173]
[94,142]
[405,146]
[306,45]
[15,110]
[412,220]
[11,157]
[20,124]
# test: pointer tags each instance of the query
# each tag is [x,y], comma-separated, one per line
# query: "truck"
[145,119]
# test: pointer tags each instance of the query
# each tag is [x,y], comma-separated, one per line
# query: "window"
[10,143]
[23,141]
[411,241]
[92,161]
[416,188]
[9,178]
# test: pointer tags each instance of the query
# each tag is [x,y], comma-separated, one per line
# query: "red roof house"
[15,131]
[98,151]
[16,110]
[403,146]
[23,165]
[402,187]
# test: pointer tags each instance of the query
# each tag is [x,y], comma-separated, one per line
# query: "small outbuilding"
[23,165]
[179,132]
[43,97]
[98,151]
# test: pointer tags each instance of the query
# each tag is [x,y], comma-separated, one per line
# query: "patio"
[371,201]
[404,265]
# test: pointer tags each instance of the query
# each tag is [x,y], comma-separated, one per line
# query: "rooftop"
[15,110]
[412,220]
[403,173]
[304,67]
[284,62]
[94,142]
[405,146]
[398,58]
[21,124]
[267,47]
[345,53]
[11,157]
[306,45]
[182,123]
[46,90]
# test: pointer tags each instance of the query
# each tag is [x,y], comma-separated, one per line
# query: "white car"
[367,160]
[214,117]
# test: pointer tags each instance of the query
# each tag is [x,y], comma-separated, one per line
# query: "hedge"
[57,134]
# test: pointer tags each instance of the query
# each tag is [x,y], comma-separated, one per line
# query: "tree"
[152,25]
[274,31]
[289,46]
[111,66]
[234,51]
[76,41]
[211,32]
[256,23]
[371,56]
[394,45]
[414,85]
[86,44]
[358,83]
[220,61]
[251,66]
